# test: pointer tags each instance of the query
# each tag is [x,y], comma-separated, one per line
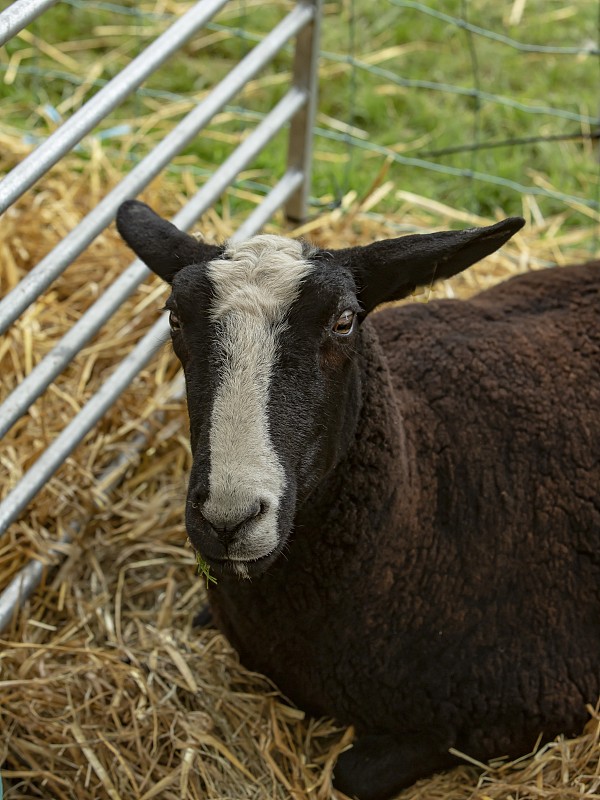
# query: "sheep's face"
[267,336]
[268,333]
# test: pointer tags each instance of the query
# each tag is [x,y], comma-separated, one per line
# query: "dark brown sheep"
[435,580]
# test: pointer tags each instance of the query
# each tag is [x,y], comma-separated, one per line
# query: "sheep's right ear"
[392,269]
[159,244]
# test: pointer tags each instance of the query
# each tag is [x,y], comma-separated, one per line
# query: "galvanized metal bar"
[24,584]
[66,137]
[306,76]
[81,424]
[276,198]
[64,444]
[32,386]
[290,105]
[72,245]
[30,576]
[18,15]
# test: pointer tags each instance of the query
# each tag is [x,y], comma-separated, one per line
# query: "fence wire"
[460,103]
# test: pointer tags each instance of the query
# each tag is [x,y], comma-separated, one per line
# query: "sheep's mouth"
[239,567]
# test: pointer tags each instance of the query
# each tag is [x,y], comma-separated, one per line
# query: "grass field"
[407,95]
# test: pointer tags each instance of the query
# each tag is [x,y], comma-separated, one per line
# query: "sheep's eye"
[174,321]
[345,323]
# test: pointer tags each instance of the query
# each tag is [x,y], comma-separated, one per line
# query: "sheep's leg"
[377,767]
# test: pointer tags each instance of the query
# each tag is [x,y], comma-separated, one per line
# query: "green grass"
[412,122]
[202,568]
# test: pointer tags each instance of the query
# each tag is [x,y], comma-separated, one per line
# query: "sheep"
[400,508]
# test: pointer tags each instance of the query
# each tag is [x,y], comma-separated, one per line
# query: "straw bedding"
[106,690]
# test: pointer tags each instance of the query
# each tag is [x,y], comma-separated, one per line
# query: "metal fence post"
[306,74]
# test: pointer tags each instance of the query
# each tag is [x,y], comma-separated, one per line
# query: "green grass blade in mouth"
[204,569]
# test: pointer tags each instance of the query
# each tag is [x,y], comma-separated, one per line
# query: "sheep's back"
[506,386]
[516,366]
[501,399]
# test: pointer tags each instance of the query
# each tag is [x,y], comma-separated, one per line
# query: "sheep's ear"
[392,269]
[159,244]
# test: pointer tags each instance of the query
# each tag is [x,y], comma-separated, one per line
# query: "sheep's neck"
[373,486]
[357,526]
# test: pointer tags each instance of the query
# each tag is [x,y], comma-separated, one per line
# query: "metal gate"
[297,107]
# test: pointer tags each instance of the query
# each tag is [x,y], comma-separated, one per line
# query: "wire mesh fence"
[479,106]
[486,104]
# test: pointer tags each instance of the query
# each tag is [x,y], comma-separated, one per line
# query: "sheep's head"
[267,331]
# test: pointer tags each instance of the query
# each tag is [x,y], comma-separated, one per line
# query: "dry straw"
[106,689]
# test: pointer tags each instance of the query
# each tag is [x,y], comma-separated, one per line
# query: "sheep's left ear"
[160,245]
[392,269]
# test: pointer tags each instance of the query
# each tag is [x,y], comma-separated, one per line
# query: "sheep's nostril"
[226,522]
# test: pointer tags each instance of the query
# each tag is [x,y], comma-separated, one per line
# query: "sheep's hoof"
[204,618]
[378,767]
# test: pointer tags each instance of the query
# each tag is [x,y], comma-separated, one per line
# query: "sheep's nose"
[227,523]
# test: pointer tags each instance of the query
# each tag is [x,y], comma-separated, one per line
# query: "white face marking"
[255,287]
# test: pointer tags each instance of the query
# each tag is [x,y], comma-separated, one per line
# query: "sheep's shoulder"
[535,334]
